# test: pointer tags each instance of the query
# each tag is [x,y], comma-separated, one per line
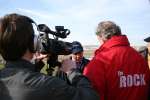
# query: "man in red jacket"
[117,71]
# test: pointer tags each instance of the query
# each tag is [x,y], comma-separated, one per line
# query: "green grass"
[43,70]
[1,66]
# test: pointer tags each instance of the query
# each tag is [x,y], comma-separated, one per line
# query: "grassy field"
[1,66]
[88,53]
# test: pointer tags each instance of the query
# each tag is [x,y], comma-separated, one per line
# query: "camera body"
[47,45]
[53,47]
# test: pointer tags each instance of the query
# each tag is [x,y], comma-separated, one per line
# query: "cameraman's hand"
[68,65]
[39,56]
[38,61]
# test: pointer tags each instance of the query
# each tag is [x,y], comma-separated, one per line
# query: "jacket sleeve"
[95,72]
[79,89]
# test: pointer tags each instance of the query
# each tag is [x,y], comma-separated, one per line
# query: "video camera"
[53,47]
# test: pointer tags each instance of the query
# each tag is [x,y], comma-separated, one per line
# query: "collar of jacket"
[120,40]
[21,64]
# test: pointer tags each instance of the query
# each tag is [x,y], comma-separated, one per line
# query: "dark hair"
[107,29]
[16,36]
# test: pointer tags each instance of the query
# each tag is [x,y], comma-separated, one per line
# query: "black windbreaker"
[19,81]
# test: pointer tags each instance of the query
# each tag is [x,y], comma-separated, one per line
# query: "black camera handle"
[60,33]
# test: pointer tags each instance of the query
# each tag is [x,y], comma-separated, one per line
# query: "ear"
[28,55]
[100,39]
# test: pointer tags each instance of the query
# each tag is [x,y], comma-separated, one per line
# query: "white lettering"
[136,80]
[142,79]
[122,81]
[131,80]
[120,73]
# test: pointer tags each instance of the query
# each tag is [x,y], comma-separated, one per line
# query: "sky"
[82,16]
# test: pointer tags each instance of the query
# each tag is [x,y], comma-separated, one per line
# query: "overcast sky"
[82,16]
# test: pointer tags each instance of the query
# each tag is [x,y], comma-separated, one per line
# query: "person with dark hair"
[19,78]
[147,40]
[78,57]
[117,71]
[143,50]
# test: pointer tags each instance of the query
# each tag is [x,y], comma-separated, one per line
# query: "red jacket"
[119,72]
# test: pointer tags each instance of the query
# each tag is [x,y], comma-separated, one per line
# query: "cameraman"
[19,79]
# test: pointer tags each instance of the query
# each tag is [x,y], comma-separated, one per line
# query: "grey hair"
[107,29]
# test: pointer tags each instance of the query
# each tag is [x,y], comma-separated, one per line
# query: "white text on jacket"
[131,80]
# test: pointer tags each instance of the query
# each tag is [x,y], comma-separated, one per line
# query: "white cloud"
[37,13]
[83,15]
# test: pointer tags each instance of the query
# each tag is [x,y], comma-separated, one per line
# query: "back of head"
[107,29]
[147,39]
[16,36]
